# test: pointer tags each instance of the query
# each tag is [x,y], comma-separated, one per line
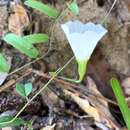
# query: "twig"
[49,49]
[46,76]
[108,13]
[7,85]
[13,81]
[70,86]
[46,85]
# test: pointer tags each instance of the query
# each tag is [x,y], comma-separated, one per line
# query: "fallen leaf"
[95,105]
[101,104]
[7,128]
[49,127]
[84,105]
[18,20]
[51,99]
[7,85]
[4,75]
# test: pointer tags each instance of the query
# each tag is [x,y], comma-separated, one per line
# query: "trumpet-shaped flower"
[83,39]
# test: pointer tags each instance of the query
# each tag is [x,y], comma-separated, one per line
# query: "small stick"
[11,82]
[46,76]
[7,85]
[70,86]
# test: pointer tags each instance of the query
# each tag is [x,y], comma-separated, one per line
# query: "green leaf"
[28,88]
[20,90]
[5,121]
[74,7]
[50,11]
[121,101]
[21,44]
[4,66]
[24,90]
[36,38]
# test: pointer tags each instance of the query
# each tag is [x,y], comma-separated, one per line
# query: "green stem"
[30,100]
[81,70]
[121,101]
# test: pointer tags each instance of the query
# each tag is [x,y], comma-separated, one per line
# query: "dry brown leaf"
[96,98]
[99,102]
[7,85]
[18,20]
[7,128]
[51,99]
[84,105]
[101,119]
[95,105]
[49,127]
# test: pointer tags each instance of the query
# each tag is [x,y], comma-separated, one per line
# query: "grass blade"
[50,11]
[121,101]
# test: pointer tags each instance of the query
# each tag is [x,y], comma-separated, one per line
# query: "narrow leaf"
[50,11]
[5,121]
[20,90]
[28,88]
[21,44]
[74,7]
[4,66]
[121,101]
[36,38]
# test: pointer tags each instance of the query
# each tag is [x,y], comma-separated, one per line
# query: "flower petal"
[65,28]
[83,38]
[73,27]
[76,27]
[83,44]
[101,31]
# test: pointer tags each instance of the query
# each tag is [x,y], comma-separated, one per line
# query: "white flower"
[83,38]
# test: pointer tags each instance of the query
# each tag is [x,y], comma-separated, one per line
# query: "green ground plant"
[25,44]
[24,90]
[116,87]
